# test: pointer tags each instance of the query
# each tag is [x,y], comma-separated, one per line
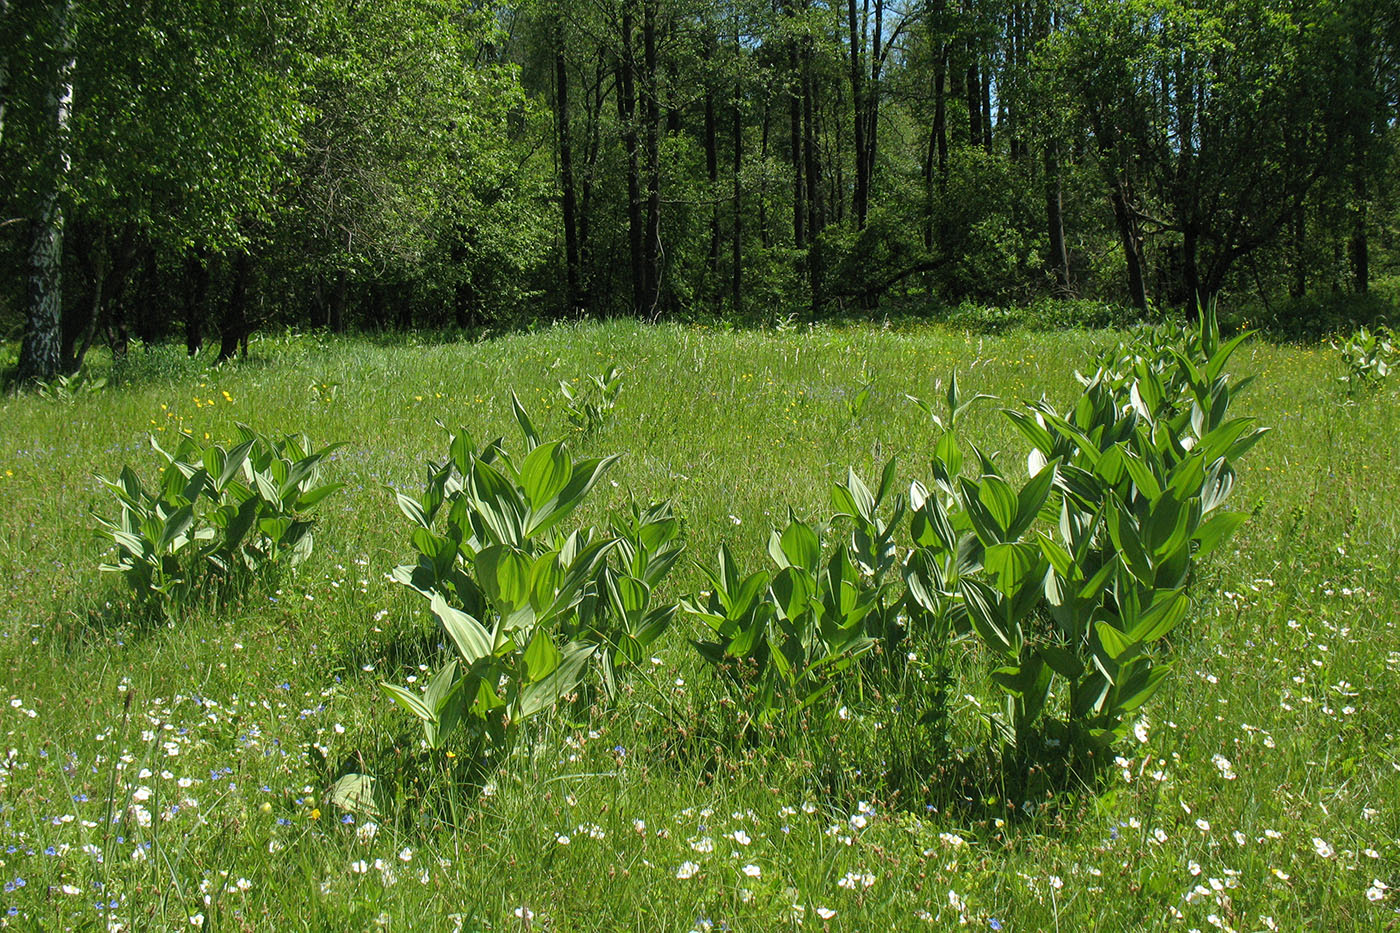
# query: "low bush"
[215,515]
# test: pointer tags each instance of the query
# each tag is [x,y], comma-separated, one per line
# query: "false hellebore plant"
[216,513]
[529,607]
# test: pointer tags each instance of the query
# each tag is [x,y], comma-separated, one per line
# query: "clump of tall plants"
[1069,582]
[215,515]
[532,604]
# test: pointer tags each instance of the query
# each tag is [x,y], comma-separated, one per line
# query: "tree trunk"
[1190,270]
[737,295]
[860,195]
[1358,248]
[41,352]
[566,175]
[816,216]
[337,305]
[234,331]
[196,299]
[651,113]
[1132,253]
[626,112]
[973,89]
[712,172]
[4,68]
[1055,219]
[872,105]
[936,155]
[986,109]
[799,208]
[1298,285]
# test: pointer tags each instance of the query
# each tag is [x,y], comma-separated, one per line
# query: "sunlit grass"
[162,777]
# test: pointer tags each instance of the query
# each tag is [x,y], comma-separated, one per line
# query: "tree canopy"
[203,169]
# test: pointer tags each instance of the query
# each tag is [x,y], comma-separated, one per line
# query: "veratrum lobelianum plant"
[590,406]
[530,607]
[1370,356]
[1070,580]
[215,513]
[1075,578]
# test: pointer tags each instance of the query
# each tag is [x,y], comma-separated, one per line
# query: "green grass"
[236,720]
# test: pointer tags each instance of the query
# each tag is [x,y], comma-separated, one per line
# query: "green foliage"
[215,514]
[1132,479]
[65,388]
[590,407]
[1369,357]
[785,639]
[529,607]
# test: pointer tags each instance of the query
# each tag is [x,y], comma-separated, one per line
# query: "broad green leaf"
[176,525]
[1138,690]
[504,575]
[354,792]
[980,601]
[1216,530]
[546,578]
[545,473]
[792,589]
[585,475]
[1115,643]
[497,503]
[1061,660]
[409,701]
[1012,564]
[471,638]
[1165,613]
[1031,499]
[560,682]
[541,656]
[313,497]
[800,545]
[996,495]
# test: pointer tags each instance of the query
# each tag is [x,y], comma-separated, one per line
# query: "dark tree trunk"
[860,195]
[4,68]
[986,109]
[1358,247]
[973,88]
[712,172]
[234,331]
[872,104]
[464,304]
[936,154]
[197,265]
[566,176]
[1132,252]
[320,302]
[337,305]
[1298,285]
[1190,270]
[816,218]
[737,291]
[626,112]
[1055,218]
[651,113]
[799,208]
[594,113]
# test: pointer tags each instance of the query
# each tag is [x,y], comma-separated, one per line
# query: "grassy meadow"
[173,776]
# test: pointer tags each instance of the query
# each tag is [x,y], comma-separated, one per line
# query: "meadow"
[171,771]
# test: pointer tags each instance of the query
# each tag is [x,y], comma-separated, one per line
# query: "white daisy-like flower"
[687,870]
